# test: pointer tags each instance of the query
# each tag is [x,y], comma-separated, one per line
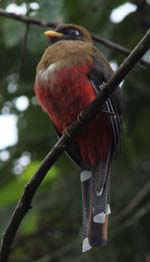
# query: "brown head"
[69,32]
[70,44]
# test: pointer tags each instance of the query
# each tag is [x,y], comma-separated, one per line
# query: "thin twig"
[24,42]
[24,203]
[131,221]
[117,47]
[27,20]
[23,50]
[133,204]
[101,40]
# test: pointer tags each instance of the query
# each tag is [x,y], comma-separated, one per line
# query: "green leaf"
[30,223]
[12,191]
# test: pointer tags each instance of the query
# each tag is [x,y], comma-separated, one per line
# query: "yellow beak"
[52,34]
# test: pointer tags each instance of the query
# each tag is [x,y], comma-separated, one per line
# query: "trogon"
[70,74]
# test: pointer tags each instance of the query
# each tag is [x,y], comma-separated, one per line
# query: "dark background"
[51,231]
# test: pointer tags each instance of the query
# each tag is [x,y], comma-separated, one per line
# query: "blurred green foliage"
[51,231]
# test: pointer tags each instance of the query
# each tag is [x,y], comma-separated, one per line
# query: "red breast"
[63,89]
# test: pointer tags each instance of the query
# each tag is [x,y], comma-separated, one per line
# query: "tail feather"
[98,216]
[85,178]
[96,205]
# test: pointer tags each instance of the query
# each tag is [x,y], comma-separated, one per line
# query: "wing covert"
[99,75]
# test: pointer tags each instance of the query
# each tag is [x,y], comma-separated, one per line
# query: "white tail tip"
[86,245]
[99,218]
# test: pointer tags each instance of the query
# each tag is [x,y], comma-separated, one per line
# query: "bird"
[71,73]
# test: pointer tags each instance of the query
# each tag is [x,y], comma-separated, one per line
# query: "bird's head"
[69,32]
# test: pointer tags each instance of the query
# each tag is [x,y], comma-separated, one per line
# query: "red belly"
[64,99]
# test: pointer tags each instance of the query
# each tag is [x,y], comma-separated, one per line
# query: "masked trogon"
[70,74]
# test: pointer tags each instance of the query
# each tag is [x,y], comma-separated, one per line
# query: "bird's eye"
[74,32]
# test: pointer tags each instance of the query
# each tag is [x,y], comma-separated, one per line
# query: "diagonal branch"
[116,47]
[83,119]
[131,221]
[27,19]
[132,204]
[99,39]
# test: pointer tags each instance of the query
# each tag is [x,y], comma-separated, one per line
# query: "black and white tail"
[95,204]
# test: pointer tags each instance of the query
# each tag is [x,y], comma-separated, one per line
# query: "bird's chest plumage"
[65,92]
